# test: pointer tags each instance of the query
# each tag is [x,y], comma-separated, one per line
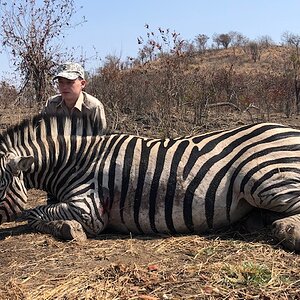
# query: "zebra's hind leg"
[259,219]
[287,231]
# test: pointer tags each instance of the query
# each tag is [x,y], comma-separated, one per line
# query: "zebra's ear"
[21,163]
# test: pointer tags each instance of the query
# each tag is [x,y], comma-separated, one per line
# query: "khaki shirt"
[86,104]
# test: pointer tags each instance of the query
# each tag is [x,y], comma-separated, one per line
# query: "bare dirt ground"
[230,265]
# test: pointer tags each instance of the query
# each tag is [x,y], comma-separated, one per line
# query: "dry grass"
[229,266]
[243,64]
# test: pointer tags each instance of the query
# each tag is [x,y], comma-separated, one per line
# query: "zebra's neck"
[59,146]
[61,162]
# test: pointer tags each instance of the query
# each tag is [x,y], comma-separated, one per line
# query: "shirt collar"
[79,102]
[78,105]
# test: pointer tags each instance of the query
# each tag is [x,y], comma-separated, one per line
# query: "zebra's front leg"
[75,219]
[287,231]
[62,229]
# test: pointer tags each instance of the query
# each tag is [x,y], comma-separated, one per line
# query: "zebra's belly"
[162,220]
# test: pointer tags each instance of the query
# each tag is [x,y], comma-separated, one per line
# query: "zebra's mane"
[42,126]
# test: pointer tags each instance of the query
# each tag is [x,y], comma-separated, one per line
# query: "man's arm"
[99,117]
[50,106]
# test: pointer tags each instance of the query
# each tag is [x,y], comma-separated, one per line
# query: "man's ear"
[20,163]
[83,83]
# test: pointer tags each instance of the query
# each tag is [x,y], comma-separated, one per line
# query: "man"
[72,99]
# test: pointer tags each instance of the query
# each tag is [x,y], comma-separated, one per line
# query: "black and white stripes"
[136,184]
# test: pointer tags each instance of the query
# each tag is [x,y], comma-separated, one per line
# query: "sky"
[113,26]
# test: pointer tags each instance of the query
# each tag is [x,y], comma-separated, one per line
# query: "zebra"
[127,183]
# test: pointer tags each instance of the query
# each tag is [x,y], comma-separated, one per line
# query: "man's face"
[70,89]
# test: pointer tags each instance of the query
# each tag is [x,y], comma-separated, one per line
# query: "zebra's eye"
[16,173]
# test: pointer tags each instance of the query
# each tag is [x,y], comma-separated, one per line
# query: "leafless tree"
[30,32]
[237,39]
[253,48]
[293,41]
[223,39]
[8,94]
[265,41]
[201,42]
[189,48]
[159,44]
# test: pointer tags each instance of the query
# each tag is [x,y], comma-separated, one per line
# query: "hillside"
[176,95]
[270,60]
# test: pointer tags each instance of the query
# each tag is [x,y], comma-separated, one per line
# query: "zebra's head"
[13,194]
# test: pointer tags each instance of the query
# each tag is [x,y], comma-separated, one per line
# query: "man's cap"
[69,70]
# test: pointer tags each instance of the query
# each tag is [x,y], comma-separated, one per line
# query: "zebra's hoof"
[72,230]
[288,233]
